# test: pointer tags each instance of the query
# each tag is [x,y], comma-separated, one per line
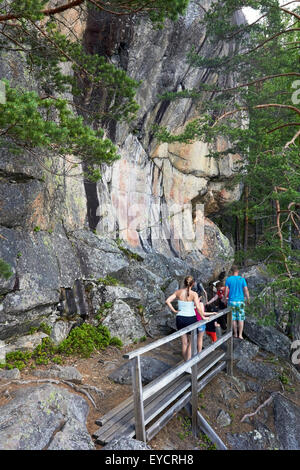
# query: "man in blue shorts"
[238,289]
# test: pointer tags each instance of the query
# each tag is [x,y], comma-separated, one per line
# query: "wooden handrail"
[161,382]
[173,336]
[140,395]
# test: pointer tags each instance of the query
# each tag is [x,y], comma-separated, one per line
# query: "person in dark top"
[221,302]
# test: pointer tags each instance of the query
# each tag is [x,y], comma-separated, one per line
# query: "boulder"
[126,443]
[170,321]
[258,370]
[138,277]
[41,263]
[44,262]
[251,403]
[254,386]
[12,374]
[101,294]
[27,342]
[238,383]
[171,288]
[69,373]
[98,256]
[151,368]
[162,322]
[267,338]
[169,268]
[256,277]
[229,393]
[36,415]
[229,388]
[287,422]
[223,419]
[60,330]
[124,323]
[72,436]
[244,349]
[259,439]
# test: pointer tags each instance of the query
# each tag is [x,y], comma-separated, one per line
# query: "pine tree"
[266,70]
[34,120]
[41,121]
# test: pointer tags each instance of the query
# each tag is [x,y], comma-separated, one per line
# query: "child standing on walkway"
[222,302]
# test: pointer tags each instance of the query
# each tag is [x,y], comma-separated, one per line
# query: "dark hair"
[188,282]
[220,284]
[198,287]
[234,268]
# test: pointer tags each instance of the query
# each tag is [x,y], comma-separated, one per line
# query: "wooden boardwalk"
[151,407]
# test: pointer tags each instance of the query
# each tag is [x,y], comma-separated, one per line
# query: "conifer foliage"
[265,97]
[36,116]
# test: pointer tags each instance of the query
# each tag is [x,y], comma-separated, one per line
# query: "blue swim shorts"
[238,310]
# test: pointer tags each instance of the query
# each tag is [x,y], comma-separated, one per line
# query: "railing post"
[194,386]
[140,432]
[229,366]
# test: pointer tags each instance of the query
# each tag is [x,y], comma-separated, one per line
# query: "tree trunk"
[237,234]
[246,220]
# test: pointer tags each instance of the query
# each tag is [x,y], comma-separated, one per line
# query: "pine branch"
[284,125]
[47,12]
[291,142]
[256,21]
[293,13]
[259,106]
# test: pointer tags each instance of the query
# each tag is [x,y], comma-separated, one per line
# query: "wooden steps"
[120,420]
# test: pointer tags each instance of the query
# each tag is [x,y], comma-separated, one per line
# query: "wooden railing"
[140,395]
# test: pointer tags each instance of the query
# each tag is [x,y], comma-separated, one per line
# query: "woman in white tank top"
[185,315]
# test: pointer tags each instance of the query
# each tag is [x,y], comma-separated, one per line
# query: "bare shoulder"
[178,292]
[194,295]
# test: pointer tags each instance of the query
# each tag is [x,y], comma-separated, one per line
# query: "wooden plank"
[138,402]
[194,385]
[155,404]
[158,383]
[124,416]
[120,408]
[208,430]
[171,412]
[163,380]
[229,366]
[129,430]
[103,419]
[126,422]
[158,405]
[171,337]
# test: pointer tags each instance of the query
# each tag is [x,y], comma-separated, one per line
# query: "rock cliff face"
[142,195]
[46,215]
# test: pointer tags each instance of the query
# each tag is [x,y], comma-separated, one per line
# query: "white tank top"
[186,309]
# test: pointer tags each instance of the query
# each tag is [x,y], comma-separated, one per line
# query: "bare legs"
[238,325]
[234,325]
[200,340]
[186,347]
[241,327]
